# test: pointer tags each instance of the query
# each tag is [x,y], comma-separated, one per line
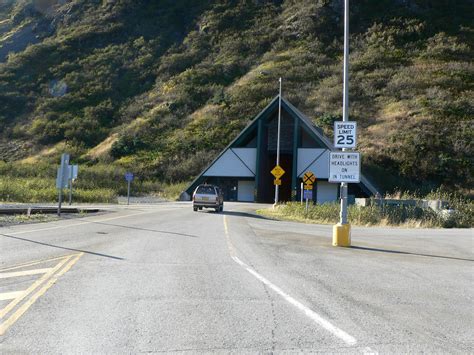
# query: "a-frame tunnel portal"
[242,170]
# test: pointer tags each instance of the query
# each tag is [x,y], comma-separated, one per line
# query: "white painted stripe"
[89,222]
[369,351]
[10,295]
[339,333]
[5,275]
[348,339]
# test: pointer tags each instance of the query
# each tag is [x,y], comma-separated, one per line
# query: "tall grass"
[328,213]
[96,183]
[171,191]
[37,190]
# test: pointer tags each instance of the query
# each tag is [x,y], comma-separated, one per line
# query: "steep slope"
[163,85]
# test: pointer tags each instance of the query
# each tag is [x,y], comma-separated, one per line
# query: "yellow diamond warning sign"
[277,171]
[309,178]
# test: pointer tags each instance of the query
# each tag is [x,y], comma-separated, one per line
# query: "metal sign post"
[308,195]
[62,179]
[278,143]
[128,192]
[345,104]
[341,235]
[129,179]
[70,192]
[301,193]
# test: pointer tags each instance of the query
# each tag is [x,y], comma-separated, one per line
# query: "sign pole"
[128,192]
[301,193]
[60,197]
[60,179]
[128,178]
[70,192]
[345,108]
[341,235]
[278,143]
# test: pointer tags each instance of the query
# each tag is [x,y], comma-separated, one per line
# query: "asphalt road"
[162,278]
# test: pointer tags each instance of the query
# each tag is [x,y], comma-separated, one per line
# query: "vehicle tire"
[217,209]
[195,209]
[222,208]
[200,208]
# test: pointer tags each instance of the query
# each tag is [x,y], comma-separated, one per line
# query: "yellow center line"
[36,284]
[5,275]
[24,307]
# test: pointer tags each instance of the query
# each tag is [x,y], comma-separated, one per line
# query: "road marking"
[369,351]
[10,295]
[43,283]
[339,333]
[31,263]
[89,222]
[35,285]
[5,275]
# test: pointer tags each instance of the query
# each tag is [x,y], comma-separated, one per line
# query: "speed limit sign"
[345,134]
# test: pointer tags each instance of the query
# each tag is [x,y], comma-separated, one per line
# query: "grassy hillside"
[162,86]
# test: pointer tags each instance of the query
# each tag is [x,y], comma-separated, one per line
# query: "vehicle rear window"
[208,190]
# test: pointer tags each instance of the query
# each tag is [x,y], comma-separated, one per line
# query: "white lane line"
[369,351]
[339,333]
[31,263]
[5,275]
[348,339]
[88,222]
[10,295]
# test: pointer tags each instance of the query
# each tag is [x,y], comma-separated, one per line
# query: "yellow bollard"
[341,235]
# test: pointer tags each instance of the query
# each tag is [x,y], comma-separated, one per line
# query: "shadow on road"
[146,229]
[244,214]
[408,253]
[60,247]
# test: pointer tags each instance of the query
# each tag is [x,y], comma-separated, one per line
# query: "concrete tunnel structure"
[242,169]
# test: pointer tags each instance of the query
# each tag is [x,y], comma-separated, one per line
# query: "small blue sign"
[129,176]
[308,194]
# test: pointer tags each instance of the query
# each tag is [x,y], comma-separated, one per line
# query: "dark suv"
[208,196]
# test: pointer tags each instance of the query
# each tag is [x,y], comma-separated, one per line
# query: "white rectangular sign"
[63,172]
[344,167]
[345,134]
[74,169]
[62,179]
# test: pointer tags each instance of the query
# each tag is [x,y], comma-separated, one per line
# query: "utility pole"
[341,235]
[278,143]
[345,104]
